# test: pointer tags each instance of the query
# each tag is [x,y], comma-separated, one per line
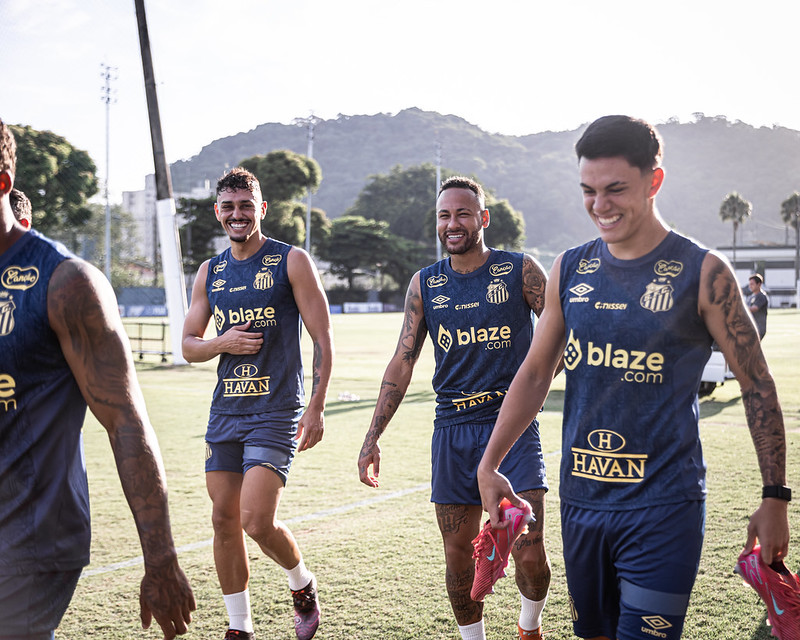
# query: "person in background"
[758,303]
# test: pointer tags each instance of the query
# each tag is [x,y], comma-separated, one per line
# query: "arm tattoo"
[316,366]
[759,396]
[533,284]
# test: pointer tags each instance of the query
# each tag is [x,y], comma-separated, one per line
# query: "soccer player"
[21,207]
[758,302]
[63,346]
[476,305]
[634,314]
[257,291]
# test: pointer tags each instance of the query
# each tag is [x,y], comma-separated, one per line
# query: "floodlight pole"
[165,204]
[435,193]
[108,74]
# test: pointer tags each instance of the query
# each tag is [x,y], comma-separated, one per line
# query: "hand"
[494,486]
[770,526]
[241,342]
[166,595]
[310,429]
[369,456]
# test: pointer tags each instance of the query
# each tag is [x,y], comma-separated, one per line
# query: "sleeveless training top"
[481,328]
[636,347]
[257,289]
[44,497]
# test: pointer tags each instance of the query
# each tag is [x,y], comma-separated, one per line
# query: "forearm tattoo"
[759,396]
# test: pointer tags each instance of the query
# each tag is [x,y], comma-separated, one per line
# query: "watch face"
[777,491]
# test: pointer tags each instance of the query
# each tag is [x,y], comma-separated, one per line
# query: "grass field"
[377,553]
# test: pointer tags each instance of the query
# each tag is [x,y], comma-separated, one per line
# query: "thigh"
[32,605]
[657,558]
[459,524]
[591,576]
[261,492]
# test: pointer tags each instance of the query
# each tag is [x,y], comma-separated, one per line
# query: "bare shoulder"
[79,295]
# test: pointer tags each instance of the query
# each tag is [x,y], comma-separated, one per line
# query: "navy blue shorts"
[32,605]
[630,573]
[456,452]
[239,443]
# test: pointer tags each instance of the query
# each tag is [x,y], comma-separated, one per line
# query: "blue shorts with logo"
[456,451]
[239,443]
[630,573]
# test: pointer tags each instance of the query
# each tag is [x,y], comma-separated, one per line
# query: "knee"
[259,529]
[534,563]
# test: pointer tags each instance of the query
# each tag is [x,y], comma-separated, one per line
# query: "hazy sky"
[513,67]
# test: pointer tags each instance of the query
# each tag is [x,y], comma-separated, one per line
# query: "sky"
[509,66]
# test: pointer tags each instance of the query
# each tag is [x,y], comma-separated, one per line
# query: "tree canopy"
[284,175]
[58,178]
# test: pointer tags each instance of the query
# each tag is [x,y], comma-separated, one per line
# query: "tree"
[284,175]
[790,213]
[406,199]
[736,209]
[198,231]
[356,246]
[58,178]
[506,226]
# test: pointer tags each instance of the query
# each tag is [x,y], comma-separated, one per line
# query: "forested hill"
[704,161]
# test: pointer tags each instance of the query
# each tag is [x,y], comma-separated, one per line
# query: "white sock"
[238,606]
[530,614]
[299,577]
[473,631]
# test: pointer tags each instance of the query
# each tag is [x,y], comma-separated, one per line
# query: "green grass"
[380,566]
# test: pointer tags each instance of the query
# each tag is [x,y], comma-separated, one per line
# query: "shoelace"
[304,599]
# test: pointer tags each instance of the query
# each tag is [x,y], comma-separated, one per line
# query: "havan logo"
[246,383]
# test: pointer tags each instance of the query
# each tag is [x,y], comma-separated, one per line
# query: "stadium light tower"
[436,191]
[108,74]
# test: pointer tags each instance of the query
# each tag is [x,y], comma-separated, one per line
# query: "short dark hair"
[20,205]
[239,178]
[610,136]
[757,277]
[462,182]
[8,149]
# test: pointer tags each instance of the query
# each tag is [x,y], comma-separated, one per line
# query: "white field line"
[132,562]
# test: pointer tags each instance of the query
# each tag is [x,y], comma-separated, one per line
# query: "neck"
[470,261]
[243,250]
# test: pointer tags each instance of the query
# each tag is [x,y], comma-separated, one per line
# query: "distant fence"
[148,338]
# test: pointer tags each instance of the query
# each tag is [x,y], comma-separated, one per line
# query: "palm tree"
[790,212]
[737,209]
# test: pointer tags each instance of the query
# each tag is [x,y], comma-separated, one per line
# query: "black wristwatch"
[777,491]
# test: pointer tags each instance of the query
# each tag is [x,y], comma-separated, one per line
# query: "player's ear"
[657,181]
[485,218]
[6,182]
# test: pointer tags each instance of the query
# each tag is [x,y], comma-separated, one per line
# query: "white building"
[142,206]
[776,263]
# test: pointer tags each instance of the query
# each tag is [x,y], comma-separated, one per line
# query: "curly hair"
[20,205]
[8,149]
[462,182]
[239,178]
